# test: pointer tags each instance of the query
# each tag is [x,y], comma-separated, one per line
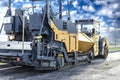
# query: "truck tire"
[92,56]
[105,52]
[88,58]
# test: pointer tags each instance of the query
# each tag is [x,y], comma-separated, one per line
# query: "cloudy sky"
[105,11]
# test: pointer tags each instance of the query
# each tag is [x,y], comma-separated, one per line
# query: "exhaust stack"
[9,13]
[68,2]
[60,9]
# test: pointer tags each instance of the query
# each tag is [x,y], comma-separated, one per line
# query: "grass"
[2,63]
[114,49]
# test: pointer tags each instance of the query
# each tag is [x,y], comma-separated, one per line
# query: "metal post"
[115,33]
[32,6]
[60,9]
[23,34]
[68,2]
[48,9]
[9,7]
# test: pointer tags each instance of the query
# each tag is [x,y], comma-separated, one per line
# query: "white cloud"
[85,8]
[91,9]
[27,0]
[64,3]
[100,2]
[116,14]
[88,8]
[0,2]
[111,29]
[55,7]
[111,9]
[114,5]
[73,12]
[64,13]
[75,3]
[73,15]
[89,2]
[105,11]
[18,1]
[27,5]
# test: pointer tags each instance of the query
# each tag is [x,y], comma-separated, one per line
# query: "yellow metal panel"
[84,46]
[62,36]
[96,45]
[73,42]
[84,37]
[84,42]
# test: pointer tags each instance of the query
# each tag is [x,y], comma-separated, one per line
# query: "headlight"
[8,20]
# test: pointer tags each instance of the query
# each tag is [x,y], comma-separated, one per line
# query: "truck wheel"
[88,58]
[105,52]
[60,62]
[92,56]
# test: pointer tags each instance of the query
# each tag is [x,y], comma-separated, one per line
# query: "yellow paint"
[71,41]
[106,42]
[12,37]
[78,42]
[84,42]
[37,37]
[60,55]
[96,44]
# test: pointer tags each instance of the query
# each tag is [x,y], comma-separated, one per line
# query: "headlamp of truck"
[8,20]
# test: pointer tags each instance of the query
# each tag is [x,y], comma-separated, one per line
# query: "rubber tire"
[105,54]
[92,56]
[88,58]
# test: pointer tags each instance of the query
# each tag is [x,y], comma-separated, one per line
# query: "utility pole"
[115,33]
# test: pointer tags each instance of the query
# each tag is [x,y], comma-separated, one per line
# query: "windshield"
[90,29]
[87,28]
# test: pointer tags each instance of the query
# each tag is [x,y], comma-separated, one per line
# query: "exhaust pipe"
[60,9]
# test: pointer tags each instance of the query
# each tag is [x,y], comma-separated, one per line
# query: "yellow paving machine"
[47,42]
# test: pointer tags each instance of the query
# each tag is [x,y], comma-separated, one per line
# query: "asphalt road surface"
[99,69]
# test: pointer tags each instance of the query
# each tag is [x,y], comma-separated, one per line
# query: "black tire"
[88,59]
[105,52]
[92,56]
